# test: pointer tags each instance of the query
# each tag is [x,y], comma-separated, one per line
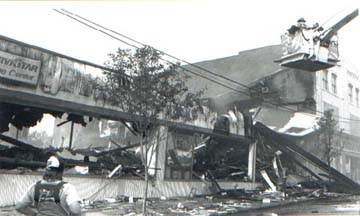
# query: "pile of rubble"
[218,204]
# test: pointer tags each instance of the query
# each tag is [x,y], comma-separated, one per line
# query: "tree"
[329,138]
[148,88]
[40,139]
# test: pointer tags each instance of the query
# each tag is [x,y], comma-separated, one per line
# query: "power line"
[142,44]
[136,47]
[192,72]
[116,38]
[167,54]
[347,119]
[173,57]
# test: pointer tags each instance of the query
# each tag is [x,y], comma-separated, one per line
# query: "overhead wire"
[71,15]
[136,47]
[142,44]
[167,54]
[197,74]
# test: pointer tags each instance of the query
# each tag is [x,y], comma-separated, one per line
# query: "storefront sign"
[19,69]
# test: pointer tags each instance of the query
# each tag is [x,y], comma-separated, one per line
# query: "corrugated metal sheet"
[14,185]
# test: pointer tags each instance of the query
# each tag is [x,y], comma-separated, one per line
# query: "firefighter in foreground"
[51,196]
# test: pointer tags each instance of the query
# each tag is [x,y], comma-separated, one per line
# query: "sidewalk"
[207,206]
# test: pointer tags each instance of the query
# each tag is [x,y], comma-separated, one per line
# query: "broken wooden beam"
[12,162]
[19,143]
[117,149]
[286,145]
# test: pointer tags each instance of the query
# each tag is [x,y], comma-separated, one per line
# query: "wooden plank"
[19,143]
[5,161]
[304,167]
[287,146]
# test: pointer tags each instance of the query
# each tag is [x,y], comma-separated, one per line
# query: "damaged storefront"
[218,155]
[184,159]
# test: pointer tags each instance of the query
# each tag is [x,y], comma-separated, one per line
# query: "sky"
[193,30]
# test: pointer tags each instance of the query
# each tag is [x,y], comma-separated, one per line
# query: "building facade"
[338,89]
[284,92]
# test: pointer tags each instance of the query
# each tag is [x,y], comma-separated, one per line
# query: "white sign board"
[19,69]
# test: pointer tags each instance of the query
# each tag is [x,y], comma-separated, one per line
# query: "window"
[179,157]
[325,80]
[333,83]
[350,91]
[357,96]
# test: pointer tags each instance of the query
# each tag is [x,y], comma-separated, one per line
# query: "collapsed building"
[220,150]
[63,87]
[291,91]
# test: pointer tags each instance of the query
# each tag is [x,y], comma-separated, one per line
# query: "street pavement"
[326,207]
[210,207]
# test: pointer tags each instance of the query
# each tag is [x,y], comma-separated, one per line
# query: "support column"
[248,132]
[252,161]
